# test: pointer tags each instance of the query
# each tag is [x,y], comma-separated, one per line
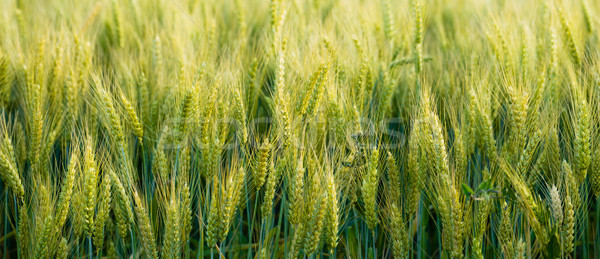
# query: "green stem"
[420,229]
[528,237]
[597,239]
[5,220]
[132,243]
[90,247]
[16,224]
[252,225]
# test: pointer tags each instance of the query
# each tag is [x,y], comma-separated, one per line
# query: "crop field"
[300,129]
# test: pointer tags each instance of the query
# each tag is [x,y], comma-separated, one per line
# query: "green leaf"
[467,190]
[485,185]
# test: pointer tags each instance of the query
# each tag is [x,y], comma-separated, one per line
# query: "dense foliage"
[291,128]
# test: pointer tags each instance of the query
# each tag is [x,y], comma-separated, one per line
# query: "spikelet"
[553,49]
[23,231]
[450,211]
[318,90]
[262,164]
[533,111]
[487,134]
[112,251]
[252,85]
[520,250]
[393,178]
[183,171]
[160,164]
[48,148]
[555,204]
[551,161]
[334,120]
[445,216]
[314,230]
[228,210]
[103,211]
[294,193]
[388,21]
[241,20]
[419,59]
[505,52]
[457,225]
[333,53]
[185,211]
[63,249]
[239,114]
[66,191]
[144,97]
[69,99]
[38,66]
[91,181]
[43,238]
[270,187]
[518,113]
[233,200]
[573,50]
[240,190]
[359,92]
[332,220]
[5,81]
[527,156]
[213,226]
[284,122]
[118,23]
[418,22]
[188,110]
[77,208]
[171,241]
[440,164]
[36,128]
[413,190]
[582,142]
[398,232]
[306,92]
[56,80]
[369,191]
[134,121]
[42,199]
[280,77]
[504,233]
[114,121]
[297,239]
[595,172]
[460,157]
[145,228]
[9,170]
[418,37]
[122,207]
[483,210]
[525,56]
[568,227]
[212,158]
[20,144]
[587,19]
[274,8]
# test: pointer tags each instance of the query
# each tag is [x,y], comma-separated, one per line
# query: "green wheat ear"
[145,227]
[171,241]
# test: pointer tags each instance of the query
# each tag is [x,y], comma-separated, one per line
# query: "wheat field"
[300,129]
